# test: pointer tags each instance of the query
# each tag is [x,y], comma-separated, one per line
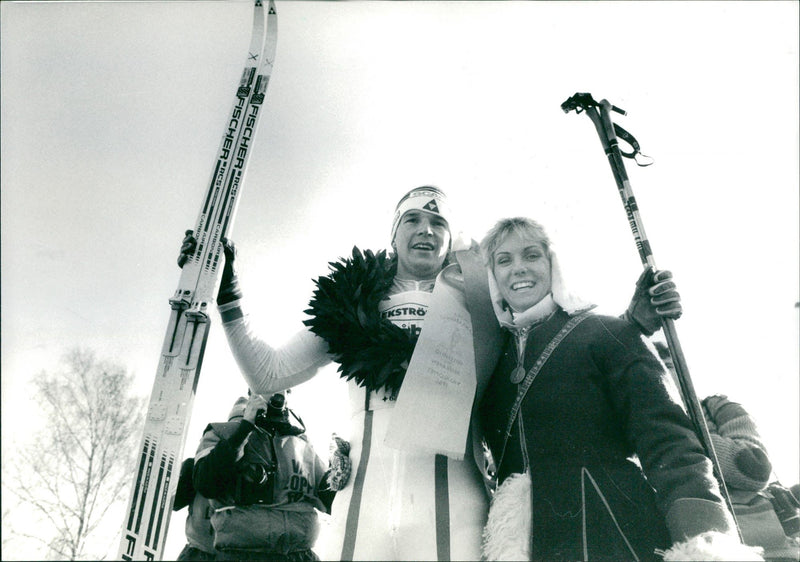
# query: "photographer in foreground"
[265,483]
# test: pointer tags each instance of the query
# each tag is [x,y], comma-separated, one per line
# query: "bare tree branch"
[73,471]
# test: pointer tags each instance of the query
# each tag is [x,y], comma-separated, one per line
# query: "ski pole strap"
[523,387]
[584,101]
[636,152]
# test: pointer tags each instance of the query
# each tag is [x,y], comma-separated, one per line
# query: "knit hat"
[238,408]
[426,198]
[738,446]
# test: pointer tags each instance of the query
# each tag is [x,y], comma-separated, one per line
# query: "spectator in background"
[747,470]
[265,483]
[199,532]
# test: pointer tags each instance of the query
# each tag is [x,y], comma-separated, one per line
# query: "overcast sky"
[112,113]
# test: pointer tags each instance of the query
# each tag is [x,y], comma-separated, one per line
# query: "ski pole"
[600,114]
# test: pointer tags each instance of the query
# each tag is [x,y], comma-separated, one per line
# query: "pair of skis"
[155,480]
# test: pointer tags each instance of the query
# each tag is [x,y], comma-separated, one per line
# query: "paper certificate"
[435,401]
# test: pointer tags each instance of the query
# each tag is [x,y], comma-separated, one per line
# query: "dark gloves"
[229,290]
[655,297]
[188,246]
[229,285]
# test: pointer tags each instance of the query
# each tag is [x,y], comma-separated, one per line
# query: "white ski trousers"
[404,506]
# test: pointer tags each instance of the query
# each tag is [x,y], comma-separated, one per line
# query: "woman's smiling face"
[521,267]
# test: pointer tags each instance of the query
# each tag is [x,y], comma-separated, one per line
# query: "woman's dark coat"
[615,465]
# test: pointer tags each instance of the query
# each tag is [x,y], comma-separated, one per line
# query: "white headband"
[428,199]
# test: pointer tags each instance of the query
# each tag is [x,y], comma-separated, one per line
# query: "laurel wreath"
[344,312]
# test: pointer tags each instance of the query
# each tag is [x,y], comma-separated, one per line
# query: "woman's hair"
[525,227]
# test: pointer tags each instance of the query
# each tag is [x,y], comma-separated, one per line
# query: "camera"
[275,412]
[255,483]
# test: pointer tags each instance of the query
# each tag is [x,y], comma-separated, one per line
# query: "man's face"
[421,242]
[522,270]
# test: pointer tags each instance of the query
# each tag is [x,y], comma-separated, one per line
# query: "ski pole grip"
[583,101]
[608,125]
[579,102]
